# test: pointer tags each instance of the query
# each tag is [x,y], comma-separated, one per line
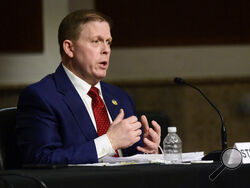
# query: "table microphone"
[215,155]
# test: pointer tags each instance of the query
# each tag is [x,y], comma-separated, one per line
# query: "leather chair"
[9,154]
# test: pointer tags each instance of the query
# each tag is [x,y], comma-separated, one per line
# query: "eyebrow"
[110,39]
[100,37]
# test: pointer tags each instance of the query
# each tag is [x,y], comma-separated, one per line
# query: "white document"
[244,148]
[139,158]
[192,156]
[152,158]
[187,158]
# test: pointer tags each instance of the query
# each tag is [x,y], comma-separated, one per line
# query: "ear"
[68,47]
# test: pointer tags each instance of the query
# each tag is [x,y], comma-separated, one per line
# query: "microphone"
[216,154]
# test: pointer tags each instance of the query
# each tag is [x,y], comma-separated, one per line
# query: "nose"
[106,49]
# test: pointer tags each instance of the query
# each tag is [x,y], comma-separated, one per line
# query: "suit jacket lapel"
[111,102]
[74,103]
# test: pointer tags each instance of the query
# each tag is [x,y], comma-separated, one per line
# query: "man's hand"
[123,133]
[151,137]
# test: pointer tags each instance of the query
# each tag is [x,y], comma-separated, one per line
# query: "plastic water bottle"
[172,146]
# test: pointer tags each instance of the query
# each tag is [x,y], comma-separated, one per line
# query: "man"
[58,120]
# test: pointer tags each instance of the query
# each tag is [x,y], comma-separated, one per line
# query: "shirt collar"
[79,83]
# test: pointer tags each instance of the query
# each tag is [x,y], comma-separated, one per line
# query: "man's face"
[91,52]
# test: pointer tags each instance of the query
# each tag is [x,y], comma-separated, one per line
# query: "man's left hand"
[151,137]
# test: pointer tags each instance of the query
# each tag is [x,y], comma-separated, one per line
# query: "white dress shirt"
[102,143]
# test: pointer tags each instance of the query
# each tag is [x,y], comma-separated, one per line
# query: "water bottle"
[172,146]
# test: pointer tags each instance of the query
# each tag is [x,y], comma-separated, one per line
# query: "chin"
[100,77]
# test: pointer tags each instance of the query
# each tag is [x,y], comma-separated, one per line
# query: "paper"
[187,158]
[244,148]
[192,156]
[135,158]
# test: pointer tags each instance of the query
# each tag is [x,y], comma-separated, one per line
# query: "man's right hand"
[123,133]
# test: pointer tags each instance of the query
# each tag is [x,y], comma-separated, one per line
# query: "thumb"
[119,117]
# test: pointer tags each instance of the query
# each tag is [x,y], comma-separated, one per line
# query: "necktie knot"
[93,92]
[96,99]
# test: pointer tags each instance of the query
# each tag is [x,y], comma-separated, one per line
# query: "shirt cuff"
[103,146]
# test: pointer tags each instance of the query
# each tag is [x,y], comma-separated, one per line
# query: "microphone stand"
[215,155]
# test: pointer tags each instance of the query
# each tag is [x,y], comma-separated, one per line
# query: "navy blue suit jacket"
[53,125]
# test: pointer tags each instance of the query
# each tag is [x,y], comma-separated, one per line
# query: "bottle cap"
[172,129]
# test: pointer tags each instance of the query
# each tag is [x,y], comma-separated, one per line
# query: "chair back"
[9,154]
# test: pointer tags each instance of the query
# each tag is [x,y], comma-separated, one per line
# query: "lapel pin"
[114,102]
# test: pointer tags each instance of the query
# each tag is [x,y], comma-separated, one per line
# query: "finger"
[155,136]
[144,150]
[131,119]
[136,126]
[157,127]
[138,132]
[150,144]
[145,125]
[119,117]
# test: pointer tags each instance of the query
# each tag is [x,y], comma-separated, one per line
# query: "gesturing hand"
[151,137]
[123,133]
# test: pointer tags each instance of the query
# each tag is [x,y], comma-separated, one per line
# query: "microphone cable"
[180,81]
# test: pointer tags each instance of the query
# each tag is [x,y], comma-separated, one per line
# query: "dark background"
[178,22]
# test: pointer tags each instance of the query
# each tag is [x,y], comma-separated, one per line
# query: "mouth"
[104,64]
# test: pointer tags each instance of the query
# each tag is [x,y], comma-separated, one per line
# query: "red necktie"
[100,113]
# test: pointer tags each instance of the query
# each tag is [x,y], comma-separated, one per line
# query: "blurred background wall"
[222,71]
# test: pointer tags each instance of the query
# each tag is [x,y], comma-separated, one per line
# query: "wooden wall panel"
[21,26]
[168,22]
